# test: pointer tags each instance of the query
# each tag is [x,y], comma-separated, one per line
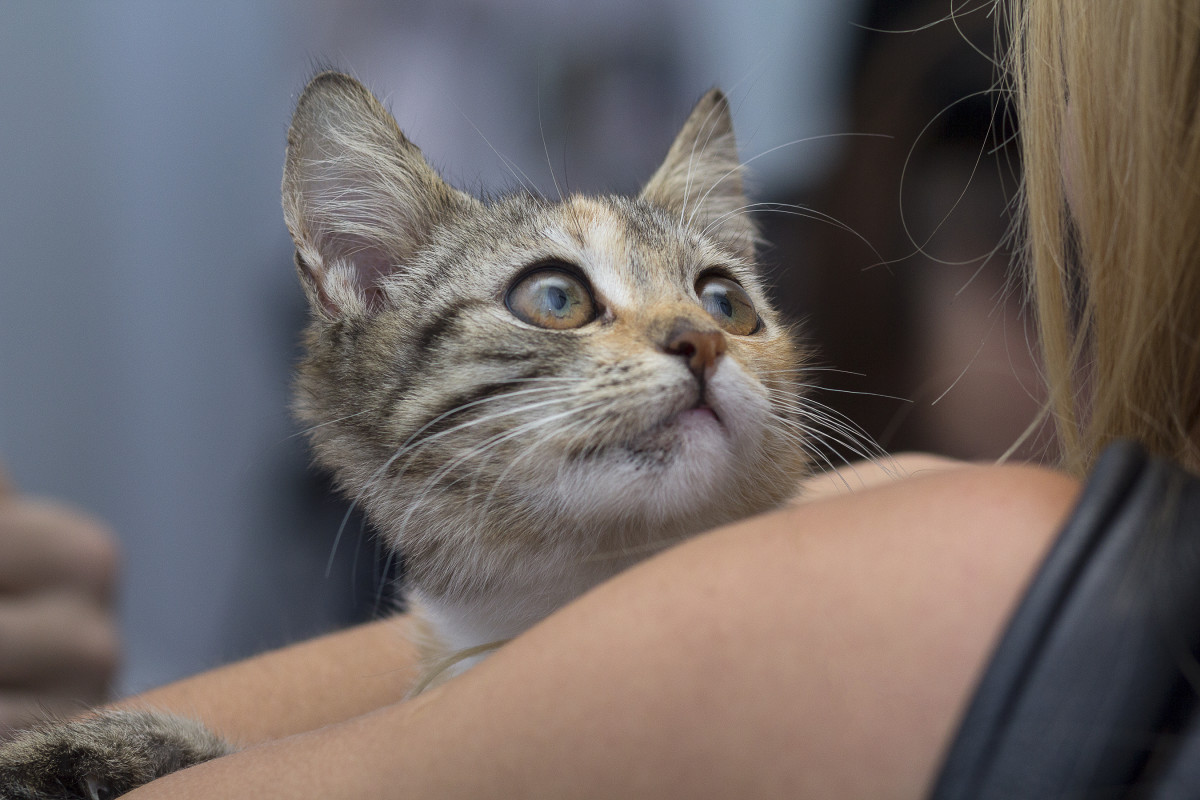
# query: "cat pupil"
[558,299]
[725,306]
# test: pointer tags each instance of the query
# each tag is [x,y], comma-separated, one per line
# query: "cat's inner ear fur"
[701,177]
[358,197]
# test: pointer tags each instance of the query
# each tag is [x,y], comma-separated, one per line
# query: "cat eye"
[728,304]
[551,298]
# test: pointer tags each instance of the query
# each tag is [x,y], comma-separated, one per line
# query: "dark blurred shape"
[917,295]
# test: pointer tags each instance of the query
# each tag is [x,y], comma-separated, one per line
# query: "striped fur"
[516,466]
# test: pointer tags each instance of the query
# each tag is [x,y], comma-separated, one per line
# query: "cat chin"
[671,483]
[701,416]
[695,432]
[681,474]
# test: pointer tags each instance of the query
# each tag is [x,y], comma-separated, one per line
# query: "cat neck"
[461,622]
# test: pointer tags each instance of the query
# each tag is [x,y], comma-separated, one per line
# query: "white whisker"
[478,450]
[407,445]
[330,422]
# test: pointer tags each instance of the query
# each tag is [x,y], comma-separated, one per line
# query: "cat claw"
[98,788]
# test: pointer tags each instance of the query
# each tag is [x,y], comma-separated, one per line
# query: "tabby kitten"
[525,396]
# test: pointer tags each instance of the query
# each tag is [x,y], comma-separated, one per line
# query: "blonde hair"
[1114,85]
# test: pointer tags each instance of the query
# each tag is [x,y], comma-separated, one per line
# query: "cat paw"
[102,756]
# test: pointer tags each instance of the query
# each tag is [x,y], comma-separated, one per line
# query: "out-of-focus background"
[148,308]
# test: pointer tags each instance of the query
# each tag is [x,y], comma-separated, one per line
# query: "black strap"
[1088,693]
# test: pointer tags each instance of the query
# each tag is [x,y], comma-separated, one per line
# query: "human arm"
[350,672]
[776,657]
[297,688]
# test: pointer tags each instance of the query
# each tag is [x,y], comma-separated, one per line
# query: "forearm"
[297,688]
[774,658]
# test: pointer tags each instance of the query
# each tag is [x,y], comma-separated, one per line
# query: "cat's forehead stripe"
[600,252]
[606,248]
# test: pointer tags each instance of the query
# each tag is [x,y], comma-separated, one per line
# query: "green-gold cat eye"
[728,304]
[551,298]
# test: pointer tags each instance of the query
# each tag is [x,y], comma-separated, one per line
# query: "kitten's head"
[507,385]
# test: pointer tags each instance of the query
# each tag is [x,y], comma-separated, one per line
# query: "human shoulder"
[940,514]
[886,601]
[1017,491]
[924,474]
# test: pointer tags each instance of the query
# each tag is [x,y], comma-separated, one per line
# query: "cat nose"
[699,347]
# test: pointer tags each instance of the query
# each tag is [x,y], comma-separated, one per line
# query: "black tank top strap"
[1092,690]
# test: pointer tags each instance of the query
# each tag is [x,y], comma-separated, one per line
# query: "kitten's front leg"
[103,755]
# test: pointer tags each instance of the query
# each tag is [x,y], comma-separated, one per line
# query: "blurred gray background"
[148,308]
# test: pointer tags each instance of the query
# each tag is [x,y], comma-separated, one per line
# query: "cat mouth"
[692,421]
[697,421]
[699,411]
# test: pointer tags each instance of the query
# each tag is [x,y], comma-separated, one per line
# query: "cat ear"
[358,197]
[701,178]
